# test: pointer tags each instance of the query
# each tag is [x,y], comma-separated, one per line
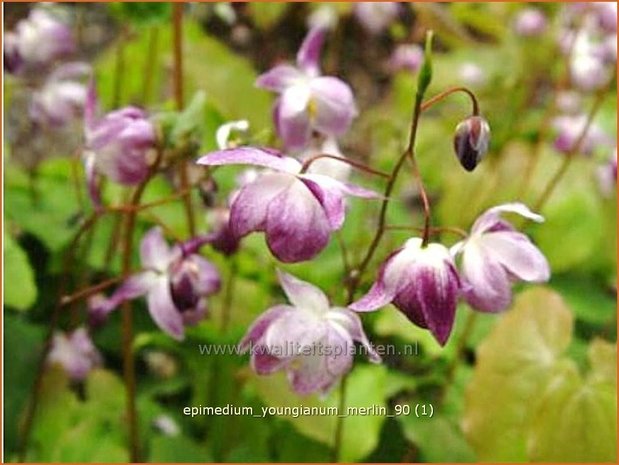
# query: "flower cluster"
[423,282]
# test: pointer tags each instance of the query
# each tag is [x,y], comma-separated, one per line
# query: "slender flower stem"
[53,324]
[424,198]
[119,71]
[339,425]
[177,30]
[149,63]
[437,98]
[438,230]
[127,318]
[87,292]
[568,157]
[360,166]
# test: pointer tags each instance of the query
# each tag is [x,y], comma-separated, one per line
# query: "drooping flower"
[62,97]
[75,353]
[176,281]
[375,17]
[297,211]
[37,42]
[530,22]
[308,101]
[312,341]
[471,141]
[117,145]
[406,57]
[222,238]
[420,281]
[495,255]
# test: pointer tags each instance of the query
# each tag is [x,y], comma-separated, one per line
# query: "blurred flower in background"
[75,353]
[375,17]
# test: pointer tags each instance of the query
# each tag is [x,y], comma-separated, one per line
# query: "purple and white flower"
[117,145]
[312,341]
[530,22]
[37,42]
[75,353]
[495,255]
[375,17]
[422,282]
[308,101]
[406,57]
[175,280]
[62,97]
[569,129]
[297,211]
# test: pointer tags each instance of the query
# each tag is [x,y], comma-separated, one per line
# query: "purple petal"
[163,311]
[332,202]
[335,105]
[308,56]
[256,331]
[297,228]
[351,322]
[155,254]
[90,106]
[488,219]
[209,280]
[92,182]
[387,284]
[249,208]
[251,156]
[293,331]
[292,117]
[134,286]
[518,255]
[278,78]
[193,316]
[490,288]
[264,363]
[303,294]
[429,298]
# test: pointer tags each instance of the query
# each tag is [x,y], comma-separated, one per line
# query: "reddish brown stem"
[360,166]
[437,98]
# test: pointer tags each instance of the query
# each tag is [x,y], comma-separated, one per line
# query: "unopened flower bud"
[471,141]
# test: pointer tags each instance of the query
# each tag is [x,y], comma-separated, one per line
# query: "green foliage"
[543,409]
[72,430]
[140,13]
[20,287]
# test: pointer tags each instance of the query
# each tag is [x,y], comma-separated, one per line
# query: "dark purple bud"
[471,141]
[183,284]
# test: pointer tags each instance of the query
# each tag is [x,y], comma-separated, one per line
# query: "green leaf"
[20,290]
[227,78]
[576,422]
[514,364]
[437,438]
[178,449]
[543,408]
[68,429]
[365,388]
[24,342]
